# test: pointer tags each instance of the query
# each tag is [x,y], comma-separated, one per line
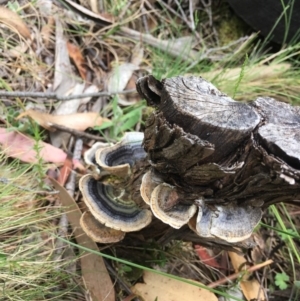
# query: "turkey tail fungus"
[208,162]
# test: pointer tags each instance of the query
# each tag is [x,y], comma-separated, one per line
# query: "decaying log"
[224,152]
[205,142]
[204,160]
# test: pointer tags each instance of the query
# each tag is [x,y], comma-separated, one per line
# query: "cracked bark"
[208,145]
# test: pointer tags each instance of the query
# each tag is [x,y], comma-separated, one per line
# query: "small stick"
[60,97]
[191,10]
[238,274]
[144,19]
[77,133]
[118,278]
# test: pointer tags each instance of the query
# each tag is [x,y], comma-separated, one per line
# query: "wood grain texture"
[209,145]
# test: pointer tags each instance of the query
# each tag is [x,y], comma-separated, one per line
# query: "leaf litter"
[94,47]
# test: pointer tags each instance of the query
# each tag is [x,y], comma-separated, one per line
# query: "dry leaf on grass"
[104,18]
[64,80]
[14,21]
[119,76]
[118,80]
[47,31]
[94,272]
[207,257]
[45,7]
[78,121]
[137,55]
[18,50]
[78,59]
[65,171]
[251,288]
[20,146]
[157,287]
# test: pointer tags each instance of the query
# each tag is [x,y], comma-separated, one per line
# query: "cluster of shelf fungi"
[205,163]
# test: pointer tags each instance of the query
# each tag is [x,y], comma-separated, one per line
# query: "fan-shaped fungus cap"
[231,223]
[149,181]
[112,207]
[117,159]
[99,232]
[164,205]
[89,155]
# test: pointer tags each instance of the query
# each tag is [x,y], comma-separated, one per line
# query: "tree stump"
[229,158]
[204,160]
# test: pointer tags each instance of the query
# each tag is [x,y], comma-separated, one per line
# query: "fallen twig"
[61,97]
[77,133]
[118,278]
[238,274]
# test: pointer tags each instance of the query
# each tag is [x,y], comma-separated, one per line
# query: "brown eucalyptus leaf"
[22,147]
[157,287]
[14,21]
[64,80]
[103,18]
[78,59]
[94,273]
[250,286]
[78,121]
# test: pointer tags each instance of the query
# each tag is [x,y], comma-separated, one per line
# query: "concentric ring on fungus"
[112,207]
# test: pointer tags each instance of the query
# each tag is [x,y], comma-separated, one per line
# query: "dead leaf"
[157,287]
[45,8]
[130,297]
[251,288]
[206,257]
[94,6]
[137,55]
[78,121]
[131,85]
[18,50]
[65,171]
[94,272]
[118,80]
[104,18]
[22,147]
[14,21]
[64,81]
[119,76]
[47,31]
[78,59]
[70,107]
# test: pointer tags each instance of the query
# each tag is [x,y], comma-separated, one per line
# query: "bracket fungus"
[99,232]
[112,205]
[230,223]
[204,160]
[149,181]
[164,203]
[89,155]
[119,158]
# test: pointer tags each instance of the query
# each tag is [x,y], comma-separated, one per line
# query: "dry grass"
[33,264]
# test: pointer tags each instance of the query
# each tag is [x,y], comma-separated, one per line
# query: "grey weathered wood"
[209,145]
[213,163]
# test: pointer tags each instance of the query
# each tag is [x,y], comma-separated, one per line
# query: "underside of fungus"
[204,160]
[97,231]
